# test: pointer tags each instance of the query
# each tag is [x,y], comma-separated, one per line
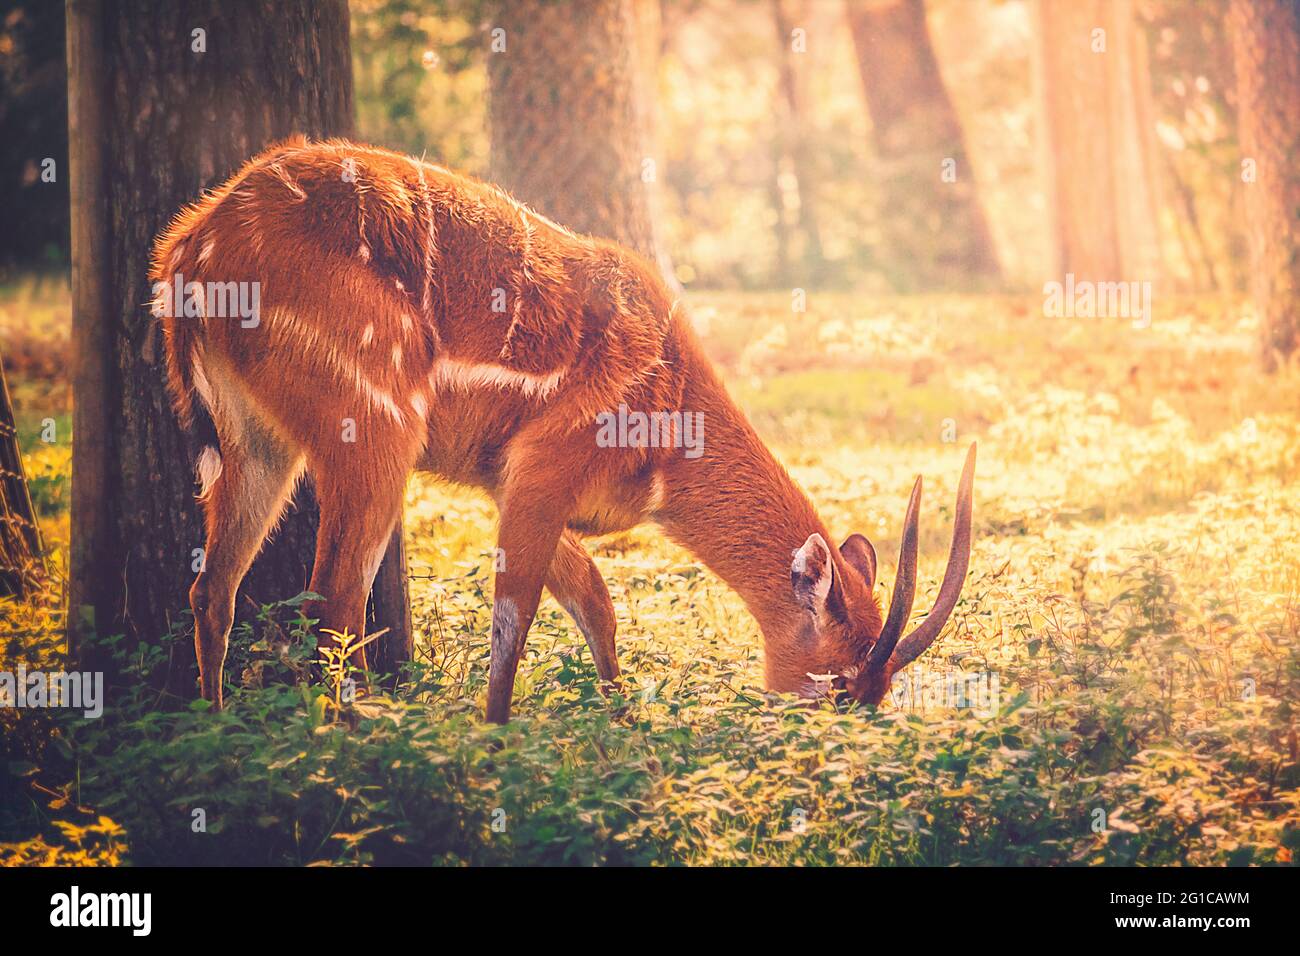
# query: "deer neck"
[737,510]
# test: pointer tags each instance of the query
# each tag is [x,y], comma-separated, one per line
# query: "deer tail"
[175,262]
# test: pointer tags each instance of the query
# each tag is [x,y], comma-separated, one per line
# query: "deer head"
[843,622]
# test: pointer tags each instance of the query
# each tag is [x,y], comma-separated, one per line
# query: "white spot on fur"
[178,255]
[419,405]
[363,251]
[368,335]
[397,357]
[408,324]
[449,373]
[205,253]
[208,468]
[398,284]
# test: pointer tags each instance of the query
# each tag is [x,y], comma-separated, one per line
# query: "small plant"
[334,662]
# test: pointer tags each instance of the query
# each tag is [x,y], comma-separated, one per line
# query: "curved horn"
[900,605]
[914,645]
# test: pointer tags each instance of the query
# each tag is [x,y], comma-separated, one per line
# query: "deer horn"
[915,644]
[900,604]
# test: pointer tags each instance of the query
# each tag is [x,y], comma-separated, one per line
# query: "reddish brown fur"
[403,262]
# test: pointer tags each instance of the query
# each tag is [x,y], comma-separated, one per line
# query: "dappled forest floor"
[1118,685]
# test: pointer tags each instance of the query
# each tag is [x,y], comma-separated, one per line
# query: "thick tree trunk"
[933,223]
[154,120]
[1266,50]
[1095,107]
[569,122]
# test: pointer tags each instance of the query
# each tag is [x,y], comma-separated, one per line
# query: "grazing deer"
[411,318]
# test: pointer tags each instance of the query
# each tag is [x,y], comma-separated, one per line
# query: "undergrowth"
[1131,621]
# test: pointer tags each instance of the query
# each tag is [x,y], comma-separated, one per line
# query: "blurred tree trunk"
[33,128]
[933,225]
[1266,48]
[1094,92]
[153,121]
[795,141]
[569,118]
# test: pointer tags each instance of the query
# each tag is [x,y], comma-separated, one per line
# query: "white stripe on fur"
[449,373]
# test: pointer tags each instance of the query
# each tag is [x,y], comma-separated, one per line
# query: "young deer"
[412,318]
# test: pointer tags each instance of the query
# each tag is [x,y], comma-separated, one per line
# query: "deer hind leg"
[576,583]
[360,503]
[258,472]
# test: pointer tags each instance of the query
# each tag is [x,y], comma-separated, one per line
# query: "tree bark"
[569,121]
[1266,51]
[154,121]
[934,226]
[1096,113]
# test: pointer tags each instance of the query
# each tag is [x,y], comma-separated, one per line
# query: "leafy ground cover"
[1118,685]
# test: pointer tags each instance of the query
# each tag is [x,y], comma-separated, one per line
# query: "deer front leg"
[535,506]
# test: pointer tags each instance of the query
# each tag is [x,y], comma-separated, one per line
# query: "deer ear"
[812,573]
[858,552]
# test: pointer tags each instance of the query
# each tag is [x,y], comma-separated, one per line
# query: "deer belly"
[618,508]
[466,441]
